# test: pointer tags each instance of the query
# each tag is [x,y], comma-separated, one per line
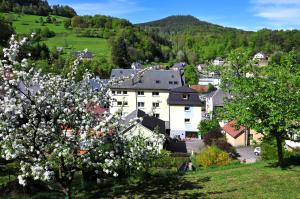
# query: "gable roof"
[230,128]
[218,97]
[147,121]
[151,79]
[176,97]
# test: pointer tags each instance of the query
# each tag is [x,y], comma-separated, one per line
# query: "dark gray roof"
[116,73]
[147,121]
[150,79]
[218,97]
[176,97]
[179,65]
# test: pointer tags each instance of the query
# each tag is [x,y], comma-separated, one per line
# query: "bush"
[205,126]
[212,136]
[212,156]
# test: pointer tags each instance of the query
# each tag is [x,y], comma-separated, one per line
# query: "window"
[157,81]
[155,93]
[155,104]
[170,82]
[125,103]
[187,108]
[156,115]
[141,104]
[124,92]
[141,93]
[185,97]
[187,120]
[113,92]
[119,92]
[119,103]
[176,82]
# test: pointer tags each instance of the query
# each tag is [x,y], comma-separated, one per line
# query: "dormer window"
[185,96]
[157,81]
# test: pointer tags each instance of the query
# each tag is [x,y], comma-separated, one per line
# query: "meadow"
[66,38]
[258,180]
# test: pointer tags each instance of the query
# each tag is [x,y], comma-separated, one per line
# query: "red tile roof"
[96,109]
[200,88]
[230,128]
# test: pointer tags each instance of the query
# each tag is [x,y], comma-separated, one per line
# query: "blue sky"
[244,14]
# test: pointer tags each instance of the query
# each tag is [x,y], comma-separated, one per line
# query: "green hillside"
[201,41]
[66,38]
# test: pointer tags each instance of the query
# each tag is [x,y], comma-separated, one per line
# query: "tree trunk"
[279,150]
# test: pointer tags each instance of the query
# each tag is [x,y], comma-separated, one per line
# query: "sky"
[243,14]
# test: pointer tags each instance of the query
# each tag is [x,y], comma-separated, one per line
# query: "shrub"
[205,126]
[212,136]
[212,156]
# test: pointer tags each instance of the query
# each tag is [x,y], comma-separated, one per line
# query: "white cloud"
[279,13]
[117,8]
[276,2]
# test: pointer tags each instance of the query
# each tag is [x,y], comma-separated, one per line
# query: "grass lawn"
[71,42]
[64,38]
[237,181]
[26,23]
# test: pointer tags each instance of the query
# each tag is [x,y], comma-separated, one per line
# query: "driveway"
[246,153]
[194,145]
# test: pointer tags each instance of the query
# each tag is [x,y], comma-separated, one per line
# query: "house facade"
[185,112]
[218,62]
[148,93]
[215,99]
[240,136]
[149,127]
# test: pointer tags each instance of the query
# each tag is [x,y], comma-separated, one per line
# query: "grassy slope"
[237,181]
[26,23]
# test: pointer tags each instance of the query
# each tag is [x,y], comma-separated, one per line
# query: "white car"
[257,151]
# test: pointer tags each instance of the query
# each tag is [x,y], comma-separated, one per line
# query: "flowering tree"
[46,125]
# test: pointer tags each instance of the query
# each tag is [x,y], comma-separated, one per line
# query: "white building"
[215,99]
[185,112]
[260,56]
[146,127]
[205,81]
[149,93]
[218,62]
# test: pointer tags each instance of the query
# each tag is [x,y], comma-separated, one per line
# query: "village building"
[239,136]
[185,110]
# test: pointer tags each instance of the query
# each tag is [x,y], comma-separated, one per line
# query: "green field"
[259,180]
[65,38]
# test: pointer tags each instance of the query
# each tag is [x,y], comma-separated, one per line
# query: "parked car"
[257,151]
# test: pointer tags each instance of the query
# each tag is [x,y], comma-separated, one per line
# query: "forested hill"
[36,7]
[197,41]
[179,23]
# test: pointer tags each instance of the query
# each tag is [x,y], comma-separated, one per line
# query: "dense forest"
[35,7]
[196,41]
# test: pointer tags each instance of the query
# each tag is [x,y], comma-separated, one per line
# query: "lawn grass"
[259,180]
[71,43]
[24,24]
